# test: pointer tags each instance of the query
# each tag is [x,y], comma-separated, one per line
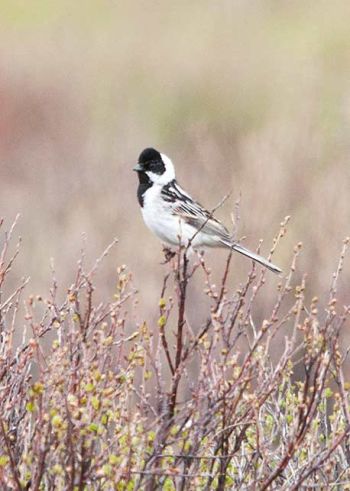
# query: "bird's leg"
[168,254]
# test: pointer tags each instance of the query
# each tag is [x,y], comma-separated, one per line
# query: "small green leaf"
[107,469]
[328,392]
[93,427]
[30,406]
[4,459]
[113,459]
[89,387]
[95,403]
[56,421]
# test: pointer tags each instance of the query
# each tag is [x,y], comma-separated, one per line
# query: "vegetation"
[90,400]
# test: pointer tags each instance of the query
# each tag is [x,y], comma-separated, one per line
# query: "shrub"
[92,400]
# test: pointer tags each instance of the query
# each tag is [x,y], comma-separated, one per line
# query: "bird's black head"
[154,167]
[150,160]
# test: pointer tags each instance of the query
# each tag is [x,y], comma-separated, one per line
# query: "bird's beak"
[138,168]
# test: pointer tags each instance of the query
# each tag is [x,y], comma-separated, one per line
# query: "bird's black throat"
[144,184]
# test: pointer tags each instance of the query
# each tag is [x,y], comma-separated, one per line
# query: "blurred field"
[252,97]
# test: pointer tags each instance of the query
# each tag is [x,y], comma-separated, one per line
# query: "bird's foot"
[168,254]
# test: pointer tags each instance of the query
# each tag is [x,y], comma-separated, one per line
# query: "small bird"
[174,216]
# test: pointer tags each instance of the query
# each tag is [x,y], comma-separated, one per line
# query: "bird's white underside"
[171,228]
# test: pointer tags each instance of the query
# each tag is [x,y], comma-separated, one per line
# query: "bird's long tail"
[255,257]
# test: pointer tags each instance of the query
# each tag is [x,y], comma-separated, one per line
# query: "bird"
[174,216]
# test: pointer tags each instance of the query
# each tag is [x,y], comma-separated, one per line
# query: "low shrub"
[90,399]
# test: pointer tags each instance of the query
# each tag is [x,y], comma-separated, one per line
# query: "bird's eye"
[152,166]
[155,166]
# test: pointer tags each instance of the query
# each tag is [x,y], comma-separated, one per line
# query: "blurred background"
[249,97]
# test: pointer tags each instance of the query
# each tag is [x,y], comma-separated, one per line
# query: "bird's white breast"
[158,216]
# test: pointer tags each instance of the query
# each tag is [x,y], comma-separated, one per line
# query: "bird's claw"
[168,255]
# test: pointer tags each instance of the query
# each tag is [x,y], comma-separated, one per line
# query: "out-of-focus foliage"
[251,97]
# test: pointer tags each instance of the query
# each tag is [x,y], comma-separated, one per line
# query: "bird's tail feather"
[255,257]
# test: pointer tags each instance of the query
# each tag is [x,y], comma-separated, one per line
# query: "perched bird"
[174,216]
